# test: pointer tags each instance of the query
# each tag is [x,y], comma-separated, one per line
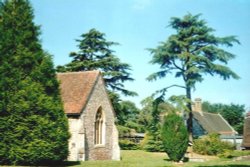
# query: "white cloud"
[141,4]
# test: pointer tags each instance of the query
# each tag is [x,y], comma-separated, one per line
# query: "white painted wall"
[76,141]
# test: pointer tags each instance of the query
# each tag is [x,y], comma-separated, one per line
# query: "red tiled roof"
[75,88]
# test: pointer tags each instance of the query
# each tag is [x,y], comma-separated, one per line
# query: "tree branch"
[199,47]
[164,90]
[176,66]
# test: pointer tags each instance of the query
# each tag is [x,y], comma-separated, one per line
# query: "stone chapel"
[91,117]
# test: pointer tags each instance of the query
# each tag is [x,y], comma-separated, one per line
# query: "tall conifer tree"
[33,126]
[95,54]
[191,53]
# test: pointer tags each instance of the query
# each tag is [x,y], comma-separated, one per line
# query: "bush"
[152,143]
[133,125]
[124,131]
[226,154]
[128,145]
[174,136]
[211,145]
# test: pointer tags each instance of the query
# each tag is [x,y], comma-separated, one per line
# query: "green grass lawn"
[140,158]
[145,159]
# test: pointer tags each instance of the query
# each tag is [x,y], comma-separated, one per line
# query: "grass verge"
[138,158]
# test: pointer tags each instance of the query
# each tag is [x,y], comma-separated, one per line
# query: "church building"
[91,117]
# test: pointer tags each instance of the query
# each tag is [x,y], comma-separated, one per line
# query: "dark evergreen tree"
[95,54]
[174,136]
[191,53]
[33,126]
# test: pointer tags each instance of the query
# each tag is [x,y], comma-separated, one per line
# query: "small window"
[99,127]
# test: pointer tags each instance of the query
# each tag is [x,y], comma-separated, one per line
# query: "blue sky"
[141,24]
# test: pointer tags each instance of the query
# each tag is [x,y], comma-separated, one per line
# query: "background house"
[206,123]
[90,115]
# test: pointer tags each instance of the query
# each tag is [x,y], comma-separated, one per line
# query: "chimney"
[197,106]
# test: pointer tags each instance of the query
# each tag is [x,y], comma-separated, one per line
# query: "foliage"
[124,131]
[115,100]
[152,142]
[128,124]
[128,115]
[179,102]
[233,113]
[151,117]
[226,154]
[211,145]
[126,144]
[33,126]
[191,53]
[145,115]
[175,137]
[95,54]
[152,111]
[234,153]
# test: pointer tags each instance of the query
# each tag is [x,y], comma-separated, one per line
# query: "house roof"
[213,123]
[76,88]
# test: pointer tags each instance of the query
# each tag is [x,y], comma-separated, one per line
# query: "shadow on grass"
[71,163]
[185,159]
[65,163]
[167,159]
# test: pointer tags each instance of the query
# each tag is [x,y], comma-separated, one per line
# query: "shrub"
[152,143]
[211,145]
[174,136]
[226,154]
[126,144]
[124,131]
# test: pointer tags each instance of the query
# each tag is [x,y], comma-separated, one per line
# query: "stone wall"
[99,98]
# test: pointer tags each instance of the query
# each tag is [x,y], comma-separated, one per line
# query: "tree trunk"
[190,114]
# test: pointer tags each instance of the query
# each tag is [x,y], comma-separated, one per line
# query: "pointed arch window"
[99,127]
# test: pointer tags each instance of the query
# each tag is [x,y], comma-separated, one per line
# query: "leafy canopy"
[95,54]
[193,51]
